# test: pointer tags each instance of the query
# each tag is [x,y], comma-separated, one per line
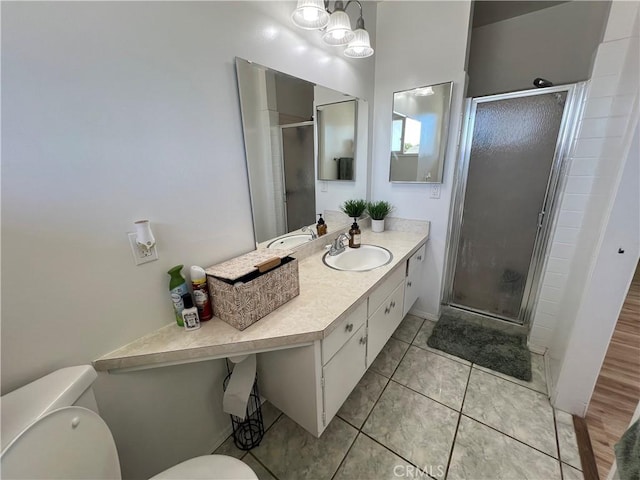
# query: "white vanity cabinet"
[343,360]
[385,312]
[343,372]
[310,383]
[413,281]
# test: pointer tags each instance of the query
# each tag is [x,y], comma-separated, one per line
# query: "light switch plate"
[435,191]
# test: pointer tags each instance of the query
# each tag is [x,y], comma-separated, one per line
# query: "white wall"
[556,43]
[595,161]
[604,295]
[575,330]
[419,43]
[112,112]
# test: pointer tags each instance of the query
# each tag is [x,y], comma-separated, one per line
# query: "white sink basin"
[367,257]
[290,241]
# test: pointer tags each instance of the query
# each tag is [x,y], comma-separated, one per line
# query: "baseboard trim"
[222,437]
[536,349]
[423,314]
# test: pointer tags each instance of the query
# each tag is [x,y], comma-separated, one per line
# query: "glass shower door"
[510,163]
[299,174]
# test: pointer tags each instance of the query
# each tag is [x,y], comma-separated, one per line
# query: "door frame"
[568,128]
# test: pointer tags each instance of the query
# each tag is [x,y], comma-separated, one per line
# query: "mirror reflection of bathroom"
[420,123]
[283,138]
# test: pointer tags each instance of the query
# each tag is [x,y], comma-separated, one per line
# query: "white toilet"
[51,429]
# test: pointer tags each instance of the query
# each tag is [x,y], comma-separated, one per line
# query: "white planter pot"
[377,226]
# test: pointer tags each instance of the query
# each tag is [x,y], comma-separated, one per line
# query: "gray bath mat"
[503,352]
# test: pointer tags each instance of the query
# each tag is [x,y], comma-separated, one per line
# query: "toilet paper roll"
[236,396]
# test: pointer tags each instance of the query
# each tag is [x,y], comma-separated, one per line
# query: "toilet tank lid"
[26,404]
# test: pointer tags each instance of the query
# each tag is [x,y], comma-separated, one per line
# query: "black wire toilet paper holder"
[248,431]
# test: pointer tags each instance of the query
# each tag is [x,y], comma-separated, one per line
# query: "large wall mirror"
[420,124]
[289,126]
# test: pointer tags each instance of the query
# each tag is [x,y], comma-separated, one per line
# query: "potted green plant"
[354,208]
[378,211]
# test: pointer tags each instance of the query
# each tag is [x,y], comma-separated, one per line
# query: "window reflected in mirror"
[419,126]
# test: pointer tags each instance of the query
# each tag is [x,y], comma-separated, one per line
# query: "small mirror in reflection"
[336,140]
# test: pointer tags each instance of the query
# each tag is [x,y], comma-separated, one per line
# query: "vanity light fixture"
[316,15]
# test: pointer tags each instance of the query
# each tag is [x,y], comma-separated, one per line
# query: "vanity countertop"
[326,297]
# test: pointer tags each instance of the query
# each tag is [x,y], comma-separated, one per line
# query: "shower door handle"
[540,218]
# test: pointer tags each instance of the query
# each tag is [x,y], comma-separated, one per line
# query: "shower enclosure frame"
[307,123]
[547,218]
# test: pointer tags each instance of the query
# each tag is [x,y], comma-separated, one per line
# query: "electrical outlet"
[324,186]
[435,191]
[140,254]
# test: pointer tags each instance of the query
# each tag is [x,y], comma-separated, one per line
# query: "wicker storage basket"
[247,288]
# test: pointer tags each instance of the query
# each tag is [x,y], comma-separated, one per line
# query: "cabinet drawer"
[343,332]
[343,373]
[384,321]
[382,291]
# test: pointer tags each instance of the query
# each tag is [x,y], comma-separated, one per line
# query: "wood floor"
[617,390]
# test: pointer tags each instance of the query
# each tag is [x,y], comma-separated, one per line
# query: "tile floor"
[421,413]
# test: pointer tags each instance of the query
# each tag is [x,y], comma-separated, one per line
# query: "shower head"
[542,83]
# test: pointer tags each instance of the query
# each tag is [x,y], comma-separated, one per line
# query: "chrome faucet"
[337,246]
[310,230]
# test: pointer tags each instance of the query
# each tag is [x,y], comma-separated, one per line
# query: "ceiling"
[486,12]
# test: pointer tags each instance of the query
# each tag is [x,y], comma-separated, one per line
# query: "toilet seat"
[208,467]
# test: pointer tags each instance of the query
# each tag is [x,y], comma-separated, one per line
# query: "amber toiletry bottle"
[321,227]
[354,235]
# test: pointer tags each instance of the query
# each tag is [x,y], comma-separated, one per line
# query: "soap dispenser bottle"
[321,227]
[354,235]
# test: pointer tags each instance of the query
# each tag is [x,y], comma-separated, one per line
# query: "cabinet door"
[383,322]
[343,373]
[413,281]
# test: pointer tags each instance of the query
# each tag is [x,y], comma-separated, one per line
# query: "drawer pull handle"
[393,304]
[408,284]
[363,340]
[387,310]
[419,257]
[349,327]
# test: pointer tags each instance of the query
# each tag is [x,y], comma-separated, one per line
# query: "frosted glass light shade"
[360,46]
[310,15]
[339,29]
